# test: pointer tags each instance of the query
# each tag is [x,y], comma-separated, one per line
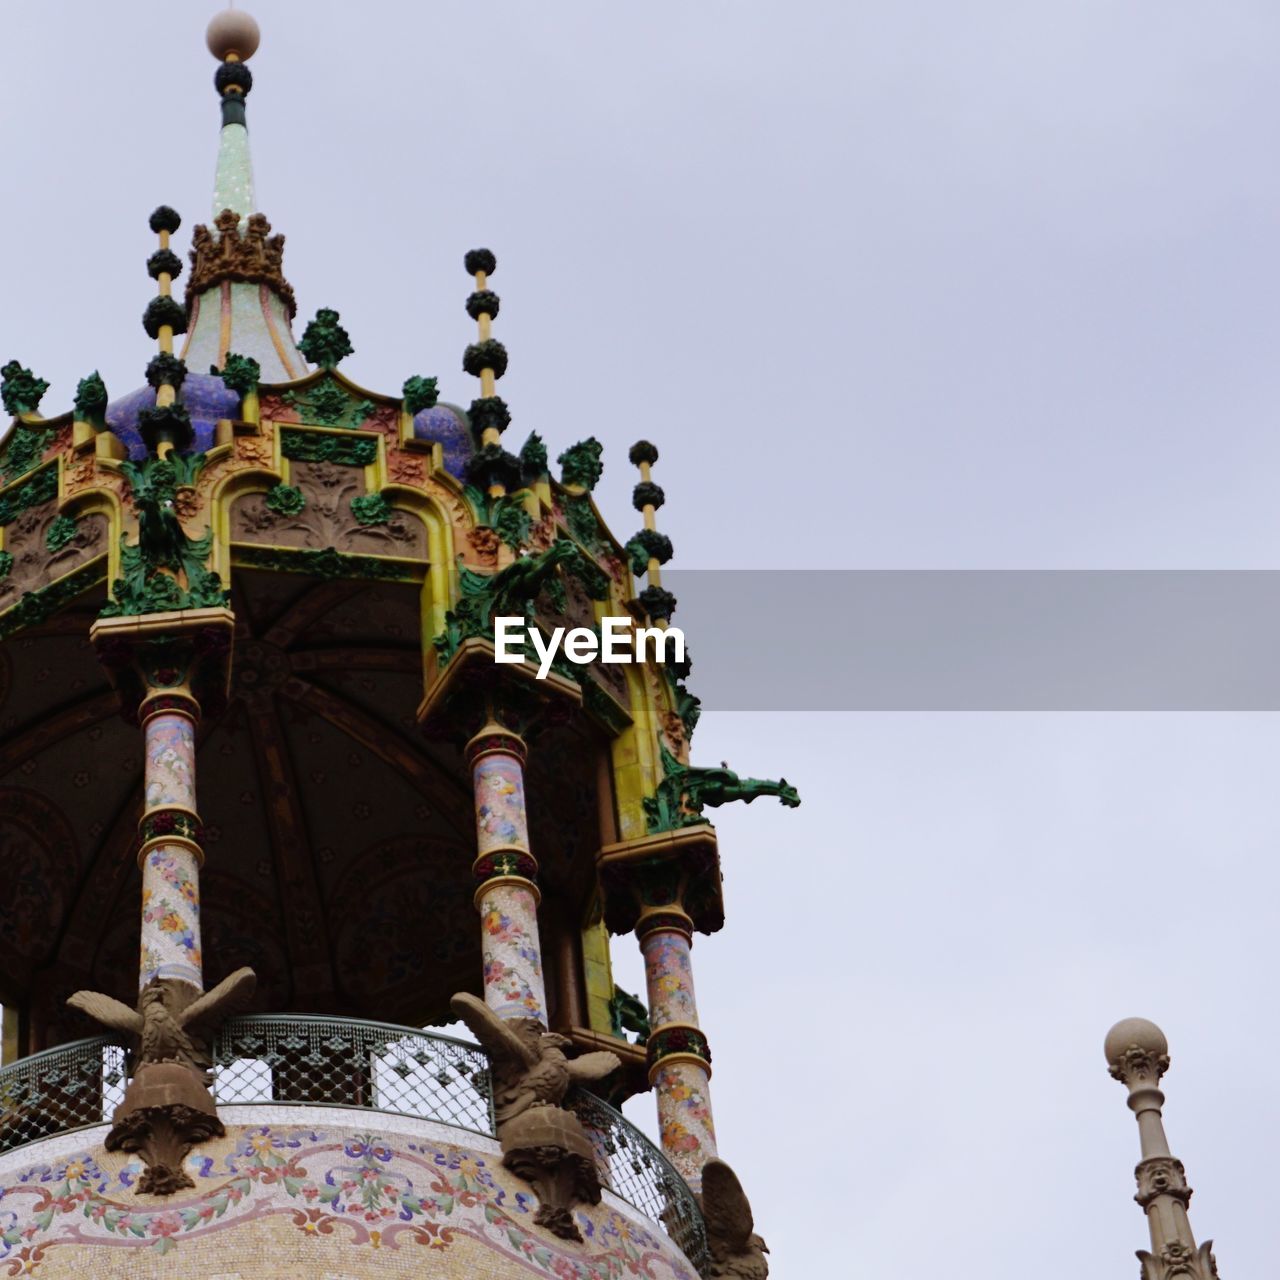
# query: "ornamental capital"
[1137,1053]
[1139,1066]
[167,661]
[672,874]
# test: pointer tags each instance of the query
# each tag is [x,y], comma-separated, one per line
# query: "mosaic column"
[170,856]
[679,1058]
[506,876]
[168,669]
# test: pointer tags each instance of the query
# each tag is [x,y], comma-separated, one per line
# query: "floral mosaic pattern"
[500,811]
[684,1117]
[513,985]
[669,976]
[170,917]
[359,1190]
[171,754]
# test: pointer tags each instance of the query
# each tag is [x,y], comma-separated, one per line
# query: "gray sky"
[897,285]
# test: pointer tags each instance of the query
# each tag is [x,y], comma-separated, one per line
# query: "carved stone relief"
[326,518]
[34,564]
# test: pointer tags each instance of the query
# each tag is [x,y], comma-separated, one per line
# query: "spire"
[233,38]
[1138,1055]
[239,300]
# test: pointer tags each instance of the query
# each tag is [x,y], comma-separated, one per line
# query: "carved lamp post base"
[166,1111]
[548,1147]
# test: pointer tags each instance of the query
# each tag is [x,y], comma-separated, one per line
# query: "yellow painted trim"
[222,495]
[597,967]
[436,589]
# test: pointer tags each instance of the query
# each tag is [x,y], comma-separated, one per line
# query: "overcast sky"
[913,284]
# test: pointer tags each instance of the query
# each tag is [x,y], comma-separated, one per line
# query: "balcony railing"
[331,1062]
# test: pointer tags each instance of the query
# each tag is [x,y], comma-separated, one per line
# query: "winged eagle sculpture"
[162,1032]
[530,1067]
[737,1253]
[542,1142]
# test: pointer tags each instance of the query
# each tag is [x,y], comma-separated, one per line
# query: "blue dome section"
[206,397]
[448,425]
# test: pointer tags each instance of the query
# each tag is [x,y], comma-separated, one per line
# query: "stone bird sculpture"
[530,1067]
[736,1250]
[161,1032]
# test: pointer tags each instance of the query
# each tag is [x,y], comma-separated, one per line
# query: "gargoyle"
[541,1141]
[513,592]
[686,789]
[629,1013]
[162,1032]
[736,1250]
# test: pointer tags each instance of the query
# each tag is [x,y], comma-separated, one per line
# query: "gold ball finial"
[232,34]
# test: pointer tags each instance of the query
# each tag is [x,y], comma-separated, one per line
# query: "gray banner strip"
[1129,640]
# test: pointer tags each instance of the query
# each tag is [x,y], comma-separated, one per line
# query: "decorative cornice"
[326,565]
[256,257]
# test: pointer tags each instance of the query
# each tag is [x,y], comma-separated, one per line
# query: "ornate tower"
[271,806]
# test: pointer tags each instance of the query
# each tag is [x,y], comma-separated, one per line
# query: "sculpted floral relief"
[34,564]
[326,518]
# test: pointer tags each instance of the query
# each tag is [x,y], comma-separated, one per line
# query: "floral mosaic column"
[506,876]
[170,855]
[679,1058]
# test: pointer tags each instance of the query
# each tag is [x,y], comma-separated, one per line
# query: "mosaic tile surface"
[299,1201]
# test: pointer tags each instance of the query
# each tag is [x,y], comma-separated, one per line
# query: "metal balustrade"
[637,1171]
[70,1087]
[333,1062]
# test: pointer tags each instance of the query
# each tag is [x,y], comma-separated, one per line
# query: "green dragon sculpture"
[686,790]
[629,1013]
[511,592]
